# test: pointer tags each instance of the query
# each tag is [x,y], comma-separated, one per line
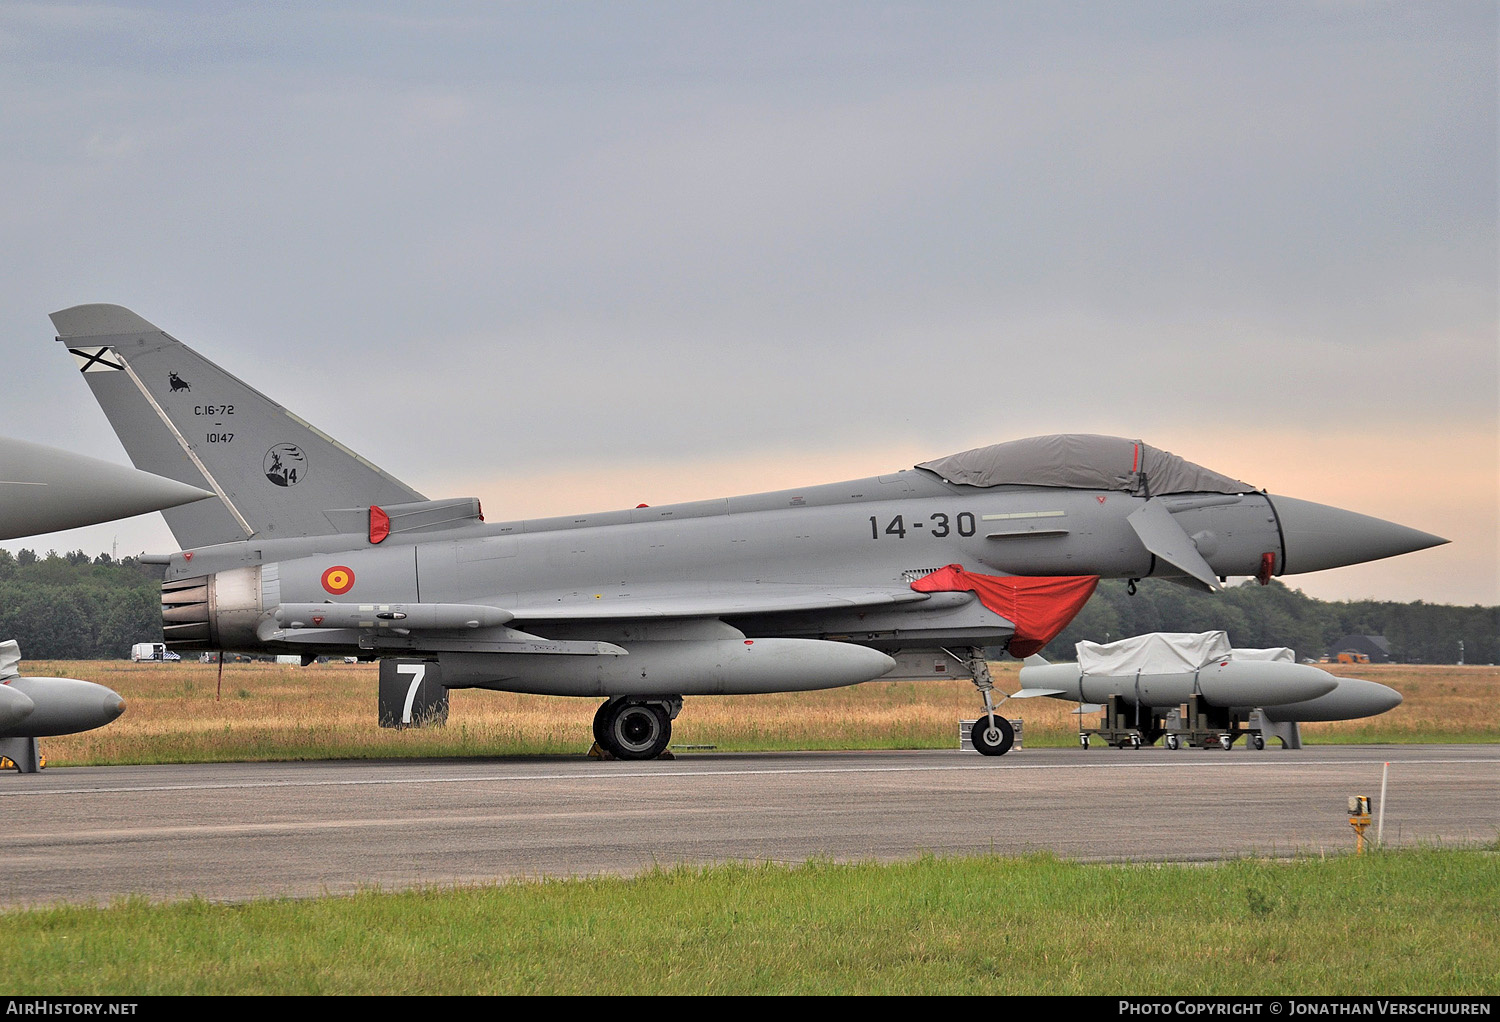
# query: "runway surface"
[235,831]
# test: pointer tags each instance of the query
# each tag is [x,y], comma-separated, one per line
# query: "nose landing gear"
[992,733]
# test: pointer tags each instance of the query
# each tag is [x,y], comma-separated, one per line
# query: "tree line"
[1275,615]
[76,607]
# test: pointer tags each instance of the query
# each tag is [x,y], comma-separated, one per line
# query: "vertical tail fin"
[181,416]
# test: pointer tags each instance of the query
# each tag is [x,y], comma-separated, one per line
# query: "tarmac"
[229,832]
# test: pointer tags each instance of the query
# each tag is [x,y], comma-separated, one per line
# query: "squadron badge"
[286,465]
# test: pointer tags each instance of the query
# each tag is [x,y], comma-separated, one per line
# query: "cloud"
[568,242]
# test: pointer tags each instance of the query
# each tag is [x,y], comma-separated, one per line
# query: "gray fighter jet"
[312,549]
[1194,688]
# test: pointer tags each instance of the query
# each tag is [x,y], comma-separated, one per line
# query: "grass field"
[179,712]
[1384,924]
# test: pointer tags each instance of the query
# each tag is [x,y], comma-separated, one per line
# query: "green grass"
[1397,922]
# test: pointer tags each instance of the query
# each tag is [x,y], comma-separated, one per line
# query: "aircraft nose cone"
[113,706]
[1317,536]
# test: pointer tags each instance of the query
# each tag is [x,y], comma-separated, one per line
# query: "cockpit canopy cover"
[1082,461]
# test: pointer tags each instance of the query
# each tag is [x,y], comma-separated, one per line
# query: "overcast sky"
[567,257]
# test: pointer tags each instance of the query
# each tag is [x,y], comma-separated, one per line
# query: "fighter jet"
[312,549]
[1143,684]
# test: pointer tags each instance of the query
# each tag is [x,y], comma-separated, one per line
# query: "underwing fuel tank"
[689,667]
[60,706]
[1230,683]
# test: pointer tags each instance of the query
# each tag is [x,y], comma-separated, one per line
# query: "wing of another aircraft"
[43,489]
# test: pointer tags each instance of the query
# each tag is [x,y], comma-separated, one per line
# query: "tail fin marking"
[184,417]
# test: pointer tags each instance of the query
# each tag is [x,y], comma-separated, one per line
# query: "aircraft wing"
[710,599]
[526,622]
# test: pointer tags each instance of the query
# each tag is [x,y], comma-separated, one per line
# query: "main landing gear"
[631,727]
[992,734]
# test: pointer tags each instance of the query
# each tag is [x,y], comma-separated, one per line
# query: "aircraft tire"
[986,747]
[636,730]
[601,721]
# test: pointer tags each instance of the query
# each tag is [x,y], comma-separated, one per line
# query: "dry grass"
[179,713]
[1440,703]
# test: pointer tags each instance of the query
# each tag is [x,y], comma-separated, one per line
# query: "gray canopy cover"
[1167,653]
[1082,461]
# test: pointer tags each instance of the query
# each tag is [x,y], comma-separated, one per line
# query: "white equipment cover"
[1280,654]
[10,659]
[1082,461]
[1156,653]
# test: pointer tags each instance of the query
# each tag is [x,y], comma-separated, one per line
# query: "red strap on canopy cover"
[1039,606]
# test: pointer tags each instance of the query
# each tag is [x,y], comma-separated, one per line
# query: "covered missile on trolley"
[1143,682]
[32,708]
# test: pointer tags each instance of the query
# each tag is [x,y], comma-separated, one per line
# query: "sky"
[570,257]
